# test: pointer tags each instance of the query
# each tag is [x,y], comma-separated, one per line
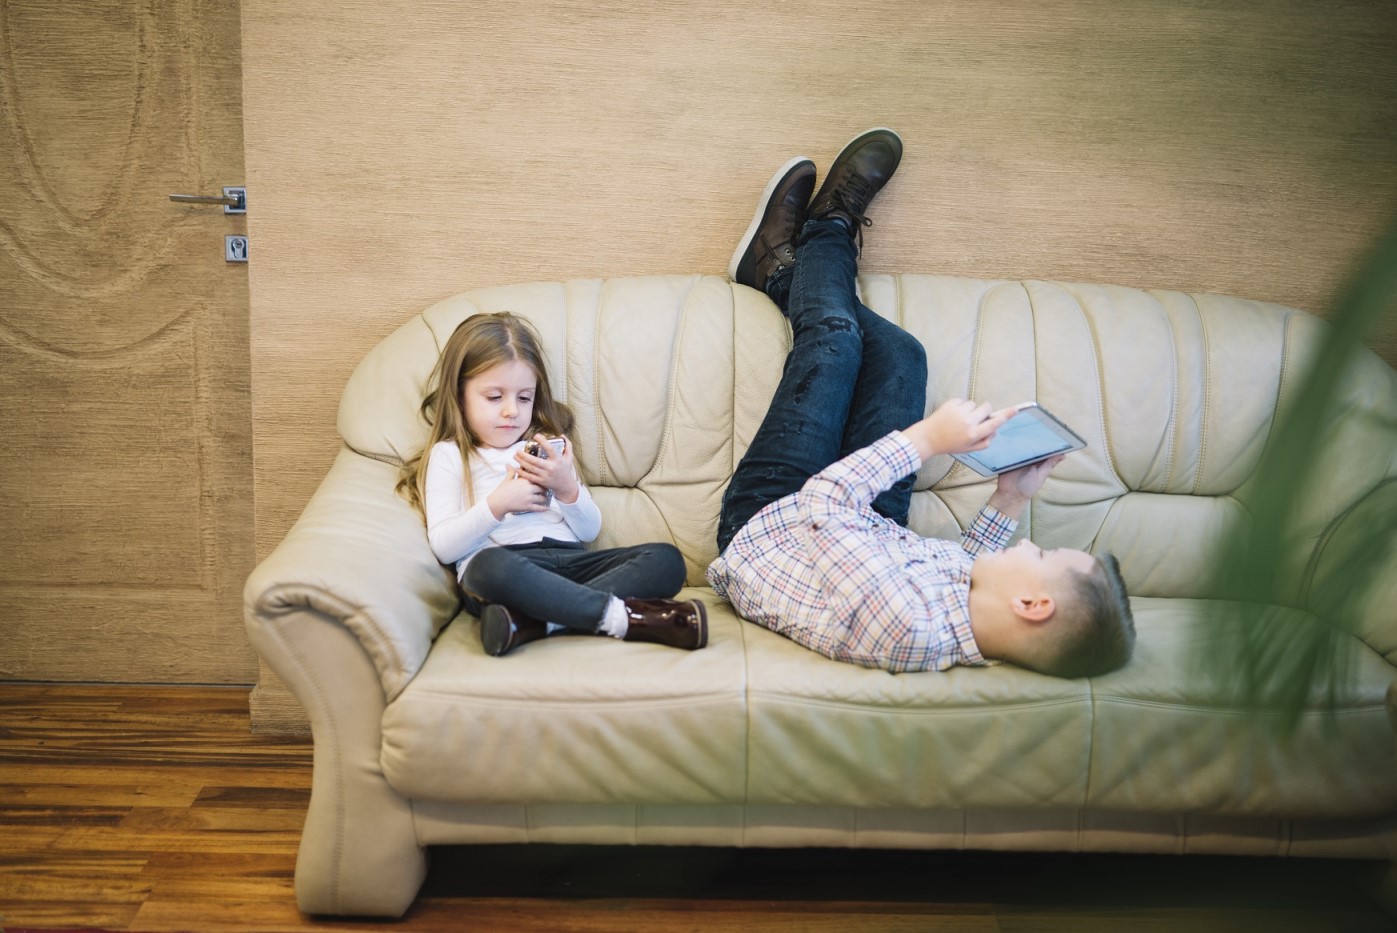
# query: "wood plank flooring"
[155,809]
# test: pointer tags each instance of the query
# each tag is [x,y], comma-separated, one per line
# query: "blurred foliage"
[1281,666]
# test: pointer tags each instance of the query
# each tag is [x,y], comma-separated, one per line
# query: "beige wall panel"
[125,488]
[88,437]
[400,151]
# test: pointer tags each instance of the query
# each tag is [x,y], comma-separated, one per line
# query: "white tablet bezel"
[1042,416]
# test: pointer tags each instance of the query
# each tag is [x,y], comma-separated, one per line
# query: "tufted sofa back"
[1176,395]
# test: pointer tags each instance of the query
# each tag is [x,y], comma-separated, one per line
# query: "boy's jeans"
[850,378]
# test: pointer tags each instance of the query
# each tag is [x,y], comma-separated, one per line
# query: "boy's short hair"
[1095,630]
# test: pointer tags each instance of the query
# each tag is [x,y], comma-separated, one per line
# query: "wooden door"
[125,478]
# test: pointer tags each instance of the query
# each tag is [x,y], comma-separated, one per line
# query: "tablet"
[1031,435]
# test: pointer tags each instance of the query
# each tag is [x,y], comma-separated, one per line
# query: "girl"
[514,523]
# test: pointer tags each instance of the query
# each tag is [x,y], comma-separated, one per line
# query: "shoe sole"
[763,207]
[496,630]
[860,138]
[703,624]
[877,129]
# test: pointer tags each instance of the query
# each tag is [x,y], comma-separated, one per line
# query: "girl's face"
[499,403]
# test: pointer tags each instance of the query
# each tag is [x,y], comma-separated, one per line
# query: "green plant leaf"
[1285,663]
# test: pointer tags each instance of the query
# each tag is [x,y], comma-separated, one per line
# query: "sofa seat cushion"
[1171,734]
[1163,733]
[755,718]
[827,732]
[574,719]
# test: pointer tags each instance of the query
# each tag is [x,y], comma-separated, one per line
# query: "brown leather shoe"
[770,241]
[857,175]
[502,630]
[667,622]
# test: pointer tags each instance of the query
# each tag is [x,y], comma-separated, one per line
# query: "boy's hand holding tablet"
[992,442]
[1028,436]
[1019,444]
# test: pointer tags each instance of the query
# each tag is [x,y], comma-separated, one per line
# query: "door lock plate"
[235,248]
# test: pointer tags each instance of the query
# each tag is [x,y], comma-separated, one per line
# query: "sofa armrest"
[359,555]
[1353,580]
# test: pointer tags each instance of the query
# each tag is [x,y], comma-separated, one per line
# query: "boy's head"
[1060,612]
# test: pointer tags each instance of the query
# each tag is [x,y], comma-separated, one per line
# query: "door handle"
[234,199]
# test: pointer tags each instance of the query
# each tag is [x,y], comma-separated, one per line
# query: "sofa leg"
[359,853]
[366,865]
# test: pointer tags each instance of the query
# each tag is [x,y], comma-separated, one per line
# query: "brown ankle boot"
[667,622]
[502,629]
[859,172]
[770,242]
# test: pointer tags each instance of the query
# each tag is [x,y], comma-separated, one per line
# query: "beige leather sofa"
[421,739]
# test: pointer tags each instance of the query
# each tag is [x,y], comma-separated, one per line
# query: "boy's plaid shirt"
[822,568]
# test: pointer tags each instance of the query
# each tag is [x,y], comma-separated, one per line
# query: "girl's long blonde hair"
[479,343]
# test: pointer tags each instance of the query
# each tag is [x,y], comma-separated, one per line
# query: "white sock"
[554,627]
[615,623]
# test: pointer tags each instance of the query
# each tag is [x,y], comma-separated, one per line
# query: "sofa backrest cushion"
[669,376]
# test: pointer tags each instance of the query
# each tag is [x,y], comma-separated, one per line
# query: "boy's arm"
[956,427]
[995,524]
[855,481]
[878,597]
[830,501]
[843,488]
[989,532]
[959,426]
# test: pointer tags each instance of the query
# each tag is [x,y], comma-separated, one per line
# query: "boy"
[812,532]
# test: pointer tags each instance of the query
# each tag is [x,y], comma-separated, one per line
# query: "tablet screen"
[1023,439]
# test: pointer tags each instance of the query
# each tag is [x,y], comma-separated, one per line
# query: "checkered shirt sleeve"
[822,568]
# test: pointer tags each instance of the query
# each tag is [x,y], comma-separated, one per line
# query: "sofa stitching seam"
[1095,343]
[978,328]
[969,708]
[667,431]
[747,722]
[641,703]
[565,378]
[667,434]
[1092,722]
[732,384]
[604,467]
[1207,398]
[1171,429]
[1361,708]
[1322,544]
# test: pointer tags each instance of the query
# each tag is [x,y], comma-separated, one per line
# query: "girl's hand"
[555,472]
[957,426]
[516,494]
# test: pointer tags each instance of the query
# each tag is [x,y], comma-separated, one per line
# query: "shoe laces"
[849,204]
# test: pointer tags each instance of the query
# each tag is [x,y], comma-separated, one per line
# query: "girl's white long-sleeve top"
[458,530]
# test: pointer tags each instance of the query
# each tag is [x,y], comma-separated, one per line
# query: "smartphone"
[535,449]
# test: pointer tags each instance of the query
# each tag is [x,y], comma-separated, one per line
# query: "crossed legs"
[850,378]
[569,585]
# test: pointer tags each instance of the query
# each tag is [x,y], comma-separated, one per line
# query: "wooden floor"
[154,809]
